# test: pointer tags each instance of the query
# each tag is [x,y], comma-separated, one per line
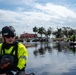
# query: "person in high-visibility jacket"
[13,54]
[72,37]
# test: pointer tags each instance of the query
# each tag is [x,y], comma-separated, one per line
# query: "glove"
[9,73]
[16,69]
[13,72]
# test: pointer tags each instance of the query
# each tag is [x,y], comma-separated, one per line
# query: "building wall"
[27,35]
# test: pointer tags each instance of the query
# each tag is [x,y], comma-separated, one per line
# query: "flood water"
[51,59]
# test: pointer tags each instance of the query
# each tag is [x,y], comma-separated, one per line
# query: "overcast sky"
[25,14]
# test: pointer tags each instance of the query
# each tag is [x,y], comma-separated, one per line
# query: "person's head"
[8,34]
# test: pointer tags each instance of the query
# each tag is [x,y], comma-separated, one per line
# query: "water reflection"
[57,46]
[73,49]
[42,49]
[52,59]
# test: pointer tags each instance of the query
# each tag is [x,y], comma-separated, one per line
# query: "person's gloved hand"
[13,72]
[10,73]
[16,69]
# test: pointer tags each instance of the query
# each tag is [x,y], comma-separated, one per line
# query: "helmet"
[8,30]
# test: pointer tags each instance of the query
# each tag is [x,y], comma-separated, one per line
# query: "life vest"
[8,61]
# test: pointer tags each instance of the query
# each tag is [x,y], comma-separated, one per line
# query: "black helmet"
[8,30]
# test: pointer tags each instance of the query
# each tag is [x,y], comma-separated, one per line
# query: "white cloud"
[19,9]
[48,15]
[56,10]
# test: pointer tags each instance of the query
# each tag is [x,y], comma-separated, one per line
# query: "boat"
[72,43]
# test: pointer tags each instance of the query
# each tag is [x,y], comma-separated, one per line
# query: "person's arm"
[22,56]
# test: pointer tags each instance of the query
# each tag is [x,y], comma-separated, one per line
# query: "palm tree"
[47,33]
[58,33]
[41,31]
[35,29]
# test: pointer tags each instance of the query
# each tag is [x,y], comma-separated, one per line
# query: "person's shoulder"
[1,44]
[20,44]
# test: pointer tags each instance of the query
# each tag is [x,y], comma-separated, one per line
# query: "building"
[27,35]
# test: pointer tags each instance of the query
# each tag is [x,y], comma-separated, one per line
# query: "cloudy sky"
[25,14]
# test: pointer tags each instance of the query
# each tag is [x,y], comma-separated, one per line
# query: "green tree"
[48,32]
[41,31]
[58,33]
[35,29]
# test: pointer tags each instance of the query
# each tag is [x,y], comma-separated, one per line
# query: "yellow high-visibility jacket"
[22,54]
[71,37]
